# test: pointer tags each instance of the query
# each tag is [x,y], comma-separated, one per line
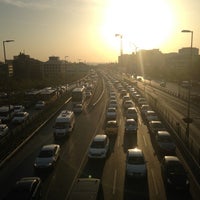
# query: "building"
[54,68]
[25,67]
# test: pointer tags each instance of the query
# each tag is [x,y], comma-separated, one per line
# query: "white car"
[20,117]
[99,147]
[136,164]
[47,157]
[40,105]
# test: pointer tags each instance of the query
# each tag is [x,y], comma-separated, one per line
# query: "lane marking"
[114,181]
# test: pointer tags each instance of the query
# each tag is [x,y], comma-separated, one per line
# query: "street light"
[121,47]
[4,49]
[189,120]
[5,61]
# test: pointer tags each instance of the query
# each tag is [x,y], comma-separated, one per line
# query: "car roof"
[135,152]
[150,111]
[111,121]
[49,146]
[130,120]
[132,108]
[163,133]
[155,122]
[99,137]
[171,158]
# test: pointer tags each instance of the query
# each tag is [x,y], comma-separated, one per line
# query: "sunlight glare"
[145,24]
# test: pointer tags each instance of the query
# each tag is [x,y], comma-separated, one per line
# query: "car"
[125,98]
[47,157]
[88,94]
[150,115]
[165,144]
[141,101]
[143,109]
[131,113]
[113,103]
[18,108]
[131,126]
[99,147]
[127,104]
[155,126]
[86,188]
[174,174]
[78,108]
[27,188]
[40,105]
[111,127]
[20,117]
[111,113]
[135,164]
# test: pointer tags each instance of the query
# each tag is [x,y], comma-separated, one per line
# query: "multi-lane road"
[74,163]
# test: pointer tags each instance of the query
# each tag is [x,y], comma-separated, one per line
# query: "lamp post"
[189,120]
[121,46]
[4,49]
[5,61]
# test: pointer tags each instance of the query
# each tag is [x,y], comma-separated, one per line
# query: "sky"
[84,30]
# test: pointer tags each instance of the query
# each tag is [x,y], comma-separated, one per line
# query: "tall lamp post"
[189,120]
[121,46]
[5,61]
[4,49]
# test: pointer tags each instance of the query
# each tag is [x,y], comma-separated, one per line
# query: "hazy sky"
[85,29]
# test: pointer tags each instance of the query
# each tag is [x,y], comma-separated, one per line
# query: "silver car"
[47,157]
[135,164]
[99,147]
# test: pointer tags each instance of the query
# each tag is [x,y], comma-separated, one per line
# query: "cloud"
[36,4]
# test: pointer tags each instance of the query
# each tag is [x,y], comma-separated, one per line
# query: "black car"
[27,188]
[174,174]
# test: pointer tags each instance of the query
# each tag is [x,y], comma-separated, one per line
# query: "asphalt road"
[73,162]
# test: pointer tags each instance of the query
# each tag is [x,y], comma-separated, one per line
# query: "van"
[64,124]
[86,188]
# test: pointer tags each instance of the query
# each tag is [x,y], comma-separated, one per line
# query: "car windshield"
[45,154]
[175,168]
[19,115]
[98,144]
[111,125]
[136,160]
[164,139]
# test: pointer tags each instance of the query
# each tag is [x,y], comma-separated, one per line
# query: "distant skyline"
[84,30]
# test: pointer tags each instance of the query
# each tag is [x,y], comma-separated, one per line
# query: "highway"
[74,163]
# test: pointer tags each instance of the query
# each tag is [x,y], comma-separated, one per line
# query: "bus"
[78,95]
[87,188]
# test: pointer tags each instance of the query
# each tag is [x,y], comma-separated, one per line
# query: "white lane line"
[154,182]
[114,182]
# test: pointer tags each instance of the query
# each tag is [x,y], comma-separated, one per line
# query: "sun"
[143,24]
